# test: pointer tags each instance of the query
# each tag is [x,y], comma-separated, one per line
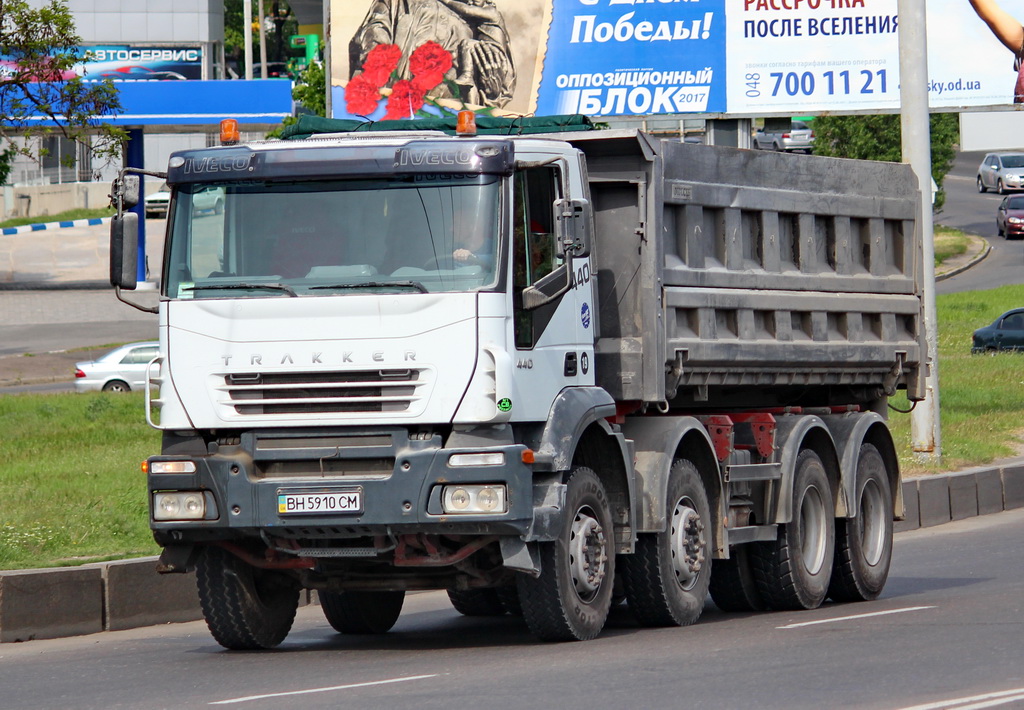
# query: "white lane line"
[855,616]
[322,690]
[974,702]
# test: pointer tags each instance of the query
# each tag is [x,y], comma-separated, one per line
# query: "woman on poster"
[1008,31]
[472,31]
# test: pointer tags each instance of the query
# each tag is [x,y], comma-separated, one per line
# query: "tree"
[40,94]
[878,138]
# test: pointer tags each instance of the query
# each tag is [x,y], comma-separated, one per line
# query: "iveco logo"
[226,164]
[449,156]
[316,358]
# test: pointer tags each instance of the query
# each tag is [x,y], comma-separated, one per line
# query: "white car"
[120,370]
[209,199]
[1001,172]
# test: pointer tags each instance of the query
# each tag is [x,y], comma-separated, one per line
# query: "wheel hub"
[587,554]
[688,544]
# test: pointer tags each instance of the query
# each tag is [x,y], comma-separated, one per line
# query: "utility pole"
[247,36]
[263,42]
[926,440]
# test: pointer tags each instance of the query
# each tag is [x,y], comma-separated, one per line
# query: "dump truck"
[543,367]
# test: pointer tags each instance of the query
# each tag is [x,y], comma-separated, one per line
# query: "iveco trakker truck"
[537,370]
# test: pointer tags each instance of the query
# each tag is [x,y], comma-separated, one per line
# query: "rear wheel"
[732,583]
[246,608]
[476,602]
[793,571]
[666,578]
[864,543]
[362,612]
[570,599]
[116,386]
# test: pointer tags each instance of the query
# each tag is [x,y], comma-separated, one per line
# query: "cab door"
[553,344]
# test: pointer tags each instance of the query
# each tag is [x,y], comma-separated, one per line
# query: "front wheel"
[999,187]
[570,599]
[864,543]
[246,608]
[793,571]
[358,612]
[981,185]
[666,578]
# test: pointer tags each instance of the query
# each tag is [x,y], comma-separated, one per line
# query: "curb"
[979,257]
[91,222]
[127,594]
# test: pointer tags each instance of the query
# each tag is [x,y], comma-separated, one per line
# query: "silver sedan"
[1001,172]
[120,370]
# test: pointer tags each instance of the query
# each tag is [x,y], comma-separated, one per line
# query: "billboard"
[409,58]
[121,62]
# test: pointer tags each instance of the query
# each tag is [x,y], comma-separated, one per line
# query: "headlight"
[172,467]
[473,499]
[184,505]
[1014,220]
[492,458]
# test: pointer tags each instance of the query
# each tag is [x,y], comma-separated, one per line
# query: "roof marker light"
[229,134]
[466,124]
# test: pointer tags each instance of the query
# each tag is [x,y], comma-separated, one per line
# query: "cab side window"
[534,250]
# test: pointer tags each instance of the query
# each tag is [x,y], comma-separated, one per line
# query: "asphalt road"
[973,212]
[949,625]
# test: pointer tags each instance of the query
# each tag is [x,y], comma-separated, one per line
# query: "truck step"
[753,533]
[754,472]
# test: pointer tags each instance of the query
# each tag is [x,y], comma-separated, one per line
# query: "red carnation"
[361,97]
[380,62]
[405,101]
[429,63]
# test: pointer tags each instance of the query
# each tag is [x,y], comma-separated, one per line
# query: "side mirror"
[124,250]
[571,227]
[126,189]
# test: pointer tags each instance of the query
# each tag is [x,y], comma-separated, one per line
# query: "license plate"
[317,503]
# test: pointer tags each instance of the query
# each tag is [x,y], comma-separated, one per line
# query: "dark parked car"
[1010,217]
[1001,172]
[1006,333]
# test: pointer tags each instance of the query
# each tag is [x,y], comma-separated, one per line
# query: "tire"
[999,187]
[477,602]
[116,386]
[509,598]
[362,613]
[570,599]
[666,578]
[732,583]
[864,544]
[981,186]
[793,571]
[245,608]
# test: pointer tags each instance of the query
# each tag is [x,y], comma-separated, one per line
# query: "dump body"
[735,278]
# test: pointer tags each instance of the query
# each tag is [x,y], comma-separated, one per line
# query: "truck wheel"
[362,613]
[246,608]
[509,598]
[793,571]
[732,583]
[476,602]
[864,543]
[666,578]
[570,599]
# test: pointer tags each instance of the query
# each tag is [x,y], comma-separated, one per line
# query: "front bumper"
[247,478]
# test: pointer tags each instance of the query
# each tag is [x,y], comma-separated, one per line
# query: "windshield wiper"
[213,287]
[377,284]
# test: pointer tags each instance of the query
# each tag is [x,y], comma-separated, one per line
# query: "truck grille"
[357,391]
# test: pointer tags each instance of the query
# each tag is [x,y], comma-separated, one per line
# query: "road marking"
[322,690]
[855,616]
[974,702]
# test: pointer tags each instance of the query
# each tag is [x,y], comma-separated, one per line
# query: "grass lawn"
[71,490]
[62,217]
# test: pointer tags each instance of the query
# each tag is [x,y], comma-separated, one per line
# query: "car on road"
[1001,172]
[800,137]
[208,199]
[121,370]
[1010,217]
[1005,333]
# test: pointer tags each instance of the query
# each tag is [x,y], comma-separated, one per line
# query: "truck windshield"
[424,233]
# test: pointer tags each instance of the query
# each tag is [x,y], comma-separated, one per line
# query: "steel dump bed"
[731,276]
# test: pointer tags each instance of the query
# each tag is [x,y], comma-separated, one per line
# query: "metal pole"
[263,42]
[926,440]
[247,36]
